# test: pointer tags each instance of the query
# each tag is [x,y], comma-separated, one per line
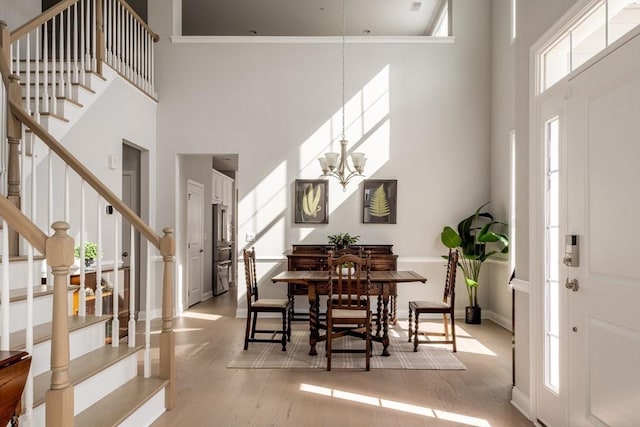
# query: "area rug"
[270,356]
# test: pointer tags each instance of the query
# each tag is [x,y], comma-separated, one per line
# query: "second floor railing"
[61,48]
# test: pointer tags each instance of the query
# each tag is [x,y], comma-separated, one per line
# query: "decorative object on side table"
[311,200]
[472,237]
[90,253]
[379,201]
[342,240]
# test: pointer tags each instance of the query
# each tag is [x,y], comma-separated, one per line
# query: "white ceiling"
[308,17]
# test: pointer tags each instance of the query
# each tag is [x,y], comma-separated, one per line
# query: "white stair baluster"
[99,261]
[27,79]
[115,325]
[81,36]
[69,77]
[66,193]
[4,296]
[76,34]
[94,56]
[82,295]
[45,61]
[54,76]
[147,316]
[61,81]
[132,288]
[36,97]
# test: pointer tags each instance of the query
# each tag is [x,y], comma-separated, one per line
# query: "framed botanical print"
[379,201]
[311,200]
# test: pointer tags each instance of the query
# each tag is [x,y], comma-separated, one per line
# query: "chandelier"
[336,164]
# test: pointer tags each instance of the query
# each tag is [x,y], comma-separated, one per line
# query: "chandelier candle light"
[336,164]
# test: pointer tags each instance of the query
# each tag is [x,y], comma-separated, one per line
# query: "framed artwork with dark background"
[311,201]
[379,201]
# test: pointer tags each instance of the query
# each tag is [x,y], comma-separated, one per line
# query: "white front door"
[195,234]
[603,210]
[551,353]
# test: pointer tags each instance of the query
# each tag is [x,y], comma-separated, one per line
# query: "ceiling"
[301,18]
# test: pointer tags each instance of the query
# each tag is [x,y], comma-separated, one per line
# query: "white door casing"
[604,210]
[130,198]
[195,234]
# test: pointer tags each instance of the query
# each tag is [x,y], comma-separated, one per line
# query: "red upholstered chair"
[446,307]
[257,305]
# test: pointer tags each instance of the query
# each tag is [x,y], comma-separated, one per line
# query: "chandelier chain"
[343,54]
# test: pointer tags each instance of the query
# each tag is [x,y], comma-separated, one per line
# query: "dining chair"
[446,307]
[349,307]
[257,305]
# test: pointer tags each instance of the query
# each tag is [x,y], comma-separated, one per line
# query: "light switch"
[250,237]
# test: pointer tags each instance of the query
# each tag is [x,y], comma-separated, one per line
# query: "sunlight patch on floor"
[397,406]
[178,330]
[200,316]
[464,341]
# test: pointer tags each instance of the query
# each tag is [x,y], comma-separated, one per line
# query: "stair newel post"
[167,337]
[14,134]
[99,36]
[59,398]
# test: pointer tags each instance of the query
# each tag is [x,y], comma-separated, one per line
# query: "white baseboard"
[520,401]
[499,319]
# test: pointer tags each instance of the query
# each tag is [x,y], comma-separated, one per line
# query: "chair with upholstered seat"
[446,307]
[257,305]
[349,307]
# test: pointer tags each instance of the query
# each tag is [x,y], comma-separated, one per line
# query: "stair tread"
[42,332]
[60,98]
[19,258]
[20,294]
[84,367]
[54,116]
[114,408]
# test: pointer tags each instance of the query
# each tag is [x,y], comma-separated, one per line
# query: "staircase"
[54,68]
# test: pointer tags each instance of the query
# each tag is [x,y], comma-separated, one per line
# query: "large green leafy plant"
[472,237]
[342,240]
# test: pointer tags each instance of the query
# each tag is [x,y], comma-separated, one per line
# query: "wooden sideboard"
[107,295]
[314,257]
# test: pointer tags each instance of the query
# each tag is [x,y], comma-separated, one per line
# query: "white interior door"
[604,211]
[195,234]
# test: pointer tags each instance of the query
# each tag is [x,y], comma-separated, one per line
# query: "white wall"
[17,12]
[274,103]
[533,19]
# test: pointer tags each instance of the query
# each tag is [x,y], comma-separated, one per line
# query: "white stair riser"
[18,273]
[98,386]
[41,312]
[64,108]
[147,413]
[81,342]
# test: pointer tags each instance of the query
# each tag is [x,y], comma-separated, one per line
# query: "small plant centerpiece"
[343,241]
[472,237]
[90,253]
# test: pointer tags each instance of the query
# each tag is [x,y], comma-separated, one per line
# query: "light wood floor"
[210,394]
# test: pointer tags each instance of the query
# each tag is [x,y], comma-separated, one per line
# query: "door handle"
[201,250]
[572,284]
[125,254]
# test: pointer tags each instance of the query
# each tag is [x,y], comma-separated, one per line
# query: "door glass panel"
[556,62]
[623,16]
[589,36]
[552,256]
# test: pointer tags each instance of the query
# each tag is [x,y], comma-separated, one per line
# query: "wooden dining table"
[317,284]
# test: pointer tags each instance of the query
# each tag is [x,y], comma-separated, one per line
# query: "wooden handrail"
[23,225]
[63,5]
[5,42]
[84,173]
[41,19]
[155,36]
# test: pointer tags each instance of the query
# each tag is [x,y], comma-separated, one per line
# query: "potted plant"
[90,253]
[471,238]
[342,240]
